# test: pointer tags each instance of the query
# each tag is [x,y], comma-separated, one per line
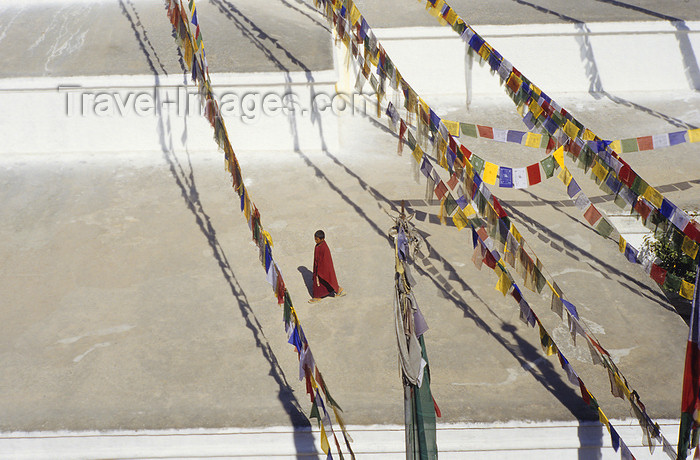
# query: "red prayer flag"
[658,274]
[592,215]
[533,174]
[440,190]
[466,152]
[626,175]
[551,145]
[584,392]
[645,143]
[454,180]
[485,131]
[641,207]
[500,212]
[692,231]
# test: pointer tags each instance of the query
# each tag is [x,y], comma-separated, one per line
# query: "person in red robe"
[324,281]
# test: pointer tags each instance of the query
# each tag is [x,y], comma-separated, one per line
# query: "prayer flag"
[676,138]
[629,145]
[572,189]
[571,129]
[694,135]
[460,220]
[592,215]
[452,127]
[548,164]
[533,174]
[691,379]
[689,247]
[417,153]
[658,274]
[645,143]
[468,129]
[477,163]
[490,172]
[533,140]
[660,141]
[687,289]
[565,176]
[515,137]
[440,190]
[505,176]
[520,177]
[485,131]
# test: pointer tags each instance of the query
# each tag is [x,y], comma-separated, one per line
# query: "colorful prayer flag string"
[540,110]
[452,156]
[308,370]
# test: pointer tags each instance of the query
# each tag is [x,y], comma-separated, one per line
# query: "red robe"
[324,280]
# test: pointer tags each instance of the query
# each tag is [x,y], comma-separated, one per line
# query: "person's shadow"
[308,277]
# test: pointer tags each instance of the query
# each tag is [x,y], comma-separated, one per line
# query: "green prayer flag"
[629,145]
[450,204]
[287,315]
[477,163]
[539,280]
[604,228]
[468,129]
[639,186]
[544,141]
[420,417]
[548,164]
[411,140]
[314,413]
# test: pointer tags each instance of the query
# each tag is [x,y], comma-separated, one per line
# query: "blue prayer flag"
[569,306]
[667,208]
[515,137]
[505,176]
[572,189]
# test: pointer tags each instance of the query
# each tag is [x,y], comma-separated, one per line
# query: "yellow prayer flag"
[354,15]
[547,345]
[418,154]
[460,220]
[521,109]
[603,418]
[485,52]
[588,135]
[689,247]
[622,245]
[451,17]
[564,176]
[246,208]
[533,140]
[469,211]
[654,197]
[324,441]
[452,127]
[503,284]
[516,234]
[694,135]
[442,213]
[687,289]
[616,146]
[490,173]
[571,129]
[559,156]
[599,171]
[535,108]
[268,237]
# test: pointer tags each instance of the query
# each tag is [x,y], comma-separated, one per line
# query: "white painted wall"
[513,440]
